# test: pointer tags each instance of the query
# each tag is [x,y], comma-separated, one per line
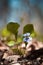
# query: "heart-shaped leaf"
[28,28]
[13,27]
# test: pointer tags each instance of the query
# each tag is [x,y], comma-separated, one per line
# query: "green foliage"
[19,39]
[33,34]
[5,32]
[10,43]
[28,28]
[13,27]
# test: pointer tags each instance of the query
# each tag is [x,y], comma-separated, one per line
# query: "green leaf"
[5,32]
[11,43]
[33,34]
[28,28]
[19,39]
[13,27]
